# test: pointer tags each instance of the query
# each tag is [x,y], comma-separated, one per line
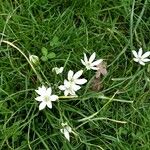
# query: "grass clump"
[116,117]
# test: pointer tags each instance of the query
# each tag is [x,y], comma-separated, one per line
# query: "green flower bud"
[34,59]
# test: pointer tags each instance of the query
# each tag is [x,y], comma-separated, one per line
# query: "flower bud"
[34,59]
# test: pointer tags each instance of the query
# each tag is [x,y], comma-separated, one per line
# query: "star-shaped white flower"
[58,70]
[91,64]
[69,88]
[45,97]
[74,78]
[141,58]
[66,130]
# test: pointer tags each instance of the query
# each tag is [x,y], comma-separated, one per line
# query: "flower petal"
[77,74]
[39,98]
[49,104]
[68,128]
[49,91]
[41,90]
[83,62]
[62,87]
[85,58]
[141,62]
[66,134]
[92,57]
[97,62]
[136,59]
[135,53]
[146,60]
[66,84]
[140,52]
[66,92]
[81,81]
[42,105]
[94,68]
[75,88]
[53,97]
[147,54]
[70,74]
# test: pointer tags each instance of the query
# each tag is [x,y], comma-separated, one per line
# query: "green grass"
[104,120]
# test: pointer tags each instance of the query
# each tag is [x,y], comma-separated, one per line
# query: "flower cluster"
[74,81]
[70,86]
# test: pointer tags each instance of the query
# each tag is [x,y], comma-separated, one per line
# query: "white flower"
[72,85]
[66,130]
[45,97]
[141,58]
[91,64]
[69,88]
[74,78]
[58,70]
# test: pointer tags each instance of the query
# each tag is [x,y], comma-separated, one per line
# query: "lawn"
[111,112]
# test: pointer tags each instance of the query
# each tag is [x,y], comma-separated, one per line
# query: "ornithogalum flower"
[72,84]
[91,64]
[58,70]
[141,58]
[74,78]
[69,88]
[45,97]
[66,130]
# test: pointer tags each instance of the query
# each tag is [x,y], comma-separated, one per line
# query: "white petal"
[146,60]
[49,104]
[140,52]
[42,105]
[136,59]
[49,91]
[66,92]
[41,90]
[135,53]
[62,131]
[92,57]
[39,98]
[95,63]
[61,69]
[70,74]
[66,134]
[147,54]
[77,74]
[53,97]
[81,81]
[83,62]
[66,84]
[141,62]
[62,87]
[85,58]
[75,88]
[72,92]
[94,68]
[68,128]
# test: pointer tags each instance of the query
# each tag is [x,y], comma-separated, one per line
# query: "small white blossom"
[66,130]
[69,88]
[45,97]
[72,84]
[58,70]
[141,58]
[91,64]
[74,78]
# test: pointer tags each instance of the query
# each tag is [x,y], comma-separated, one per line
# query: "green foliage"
[64,30]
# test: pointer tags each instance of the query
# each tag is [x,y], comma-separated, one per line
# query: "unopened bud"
[34,59]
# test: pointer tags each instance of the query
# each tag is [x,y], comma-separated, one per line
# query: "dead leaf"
[96,83]
[101,69]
